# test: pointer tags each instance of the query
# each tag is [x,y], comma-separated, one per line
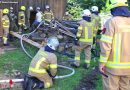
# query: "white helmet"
[53,42]
[38,8]
[30,8]
[11,8]
[66,13]
[47,7]
[86,12]
[94,8]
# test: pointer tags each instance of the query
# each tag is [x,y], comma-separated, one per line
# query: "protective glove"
[76,41]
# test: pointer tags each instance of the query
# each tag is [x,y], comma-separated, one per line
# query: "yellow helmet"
[5,11]
[116,3]
[23,8]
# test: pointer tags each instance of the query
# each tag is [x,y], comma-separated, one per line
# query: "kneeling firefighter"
[43,67]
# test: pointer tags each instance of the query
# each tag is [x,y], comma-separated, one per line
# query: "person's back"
[115,54]
[120,52]
[39,16]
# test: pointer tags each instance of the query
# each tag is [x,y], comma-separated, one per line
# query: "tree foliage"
[75,7]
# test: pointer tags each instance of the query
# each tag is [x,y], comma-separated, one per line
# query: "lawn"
[18,60]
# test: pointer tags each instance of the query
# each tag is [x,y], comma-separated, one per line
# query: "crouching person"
[43,67]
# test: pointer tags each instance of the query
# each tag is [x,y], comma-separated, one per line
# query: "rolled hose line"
[61,66]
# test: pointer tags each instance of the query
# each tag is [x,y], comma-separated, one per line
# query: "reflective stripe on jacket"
[21,18]
[85,31]
[97,24]
[115,46]
[48,15]
[5,21]
[44,61]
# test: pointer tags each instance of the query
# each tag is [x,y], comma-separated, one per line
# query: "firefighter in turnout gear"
[115,49]
[43,67]
[21,19]
[96,20]
[6,25]
[13,18]
[85,38]
[97,30]
[48,14]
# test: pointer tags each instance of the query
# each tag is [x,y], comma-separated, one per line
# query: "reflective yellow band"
[77,58]
[5,26]
[5,40]
[103,59]
[42,53]
[87,61]
[40,62]
[86,40]
[80,28]
[47,85]
[53,65]
[117,47]
[41,71]
[106,39]
[119,65]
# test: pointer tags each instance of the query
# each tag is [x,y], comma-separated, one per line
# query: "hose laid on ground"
[57,77]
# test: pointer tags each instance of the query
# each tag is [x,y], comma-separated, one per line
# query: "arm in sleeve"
[80,30]
[53,67]
[106,42]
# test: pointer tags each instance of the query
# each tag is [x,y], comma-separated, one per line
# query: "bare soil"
[89,81]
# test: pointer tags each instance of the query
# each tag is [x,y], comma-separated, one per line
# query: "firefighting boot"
[86,66]
[75,64]
[37,84]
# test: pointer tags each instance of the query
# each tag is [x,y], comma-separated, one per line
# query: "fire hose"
[11,81]
[61,66]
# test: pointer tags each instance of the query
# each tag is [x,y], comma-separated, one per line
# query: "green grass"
[18,60]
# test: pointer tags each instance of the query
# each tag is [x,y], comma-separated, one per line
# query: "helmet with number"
[53,42]
[5,11]
[47,7]
[94,9]
[86,12]
[30,8]
[23,8]
[116,3]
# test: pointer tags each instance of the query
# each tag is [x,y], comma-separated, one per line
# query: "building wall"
[58,6]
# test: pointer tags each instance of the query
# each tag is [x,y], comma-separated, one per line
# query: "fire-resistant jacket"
[85,32]
[42,62]
[21,18]
[5,21]
[115,46]
[48,15]
[96,20]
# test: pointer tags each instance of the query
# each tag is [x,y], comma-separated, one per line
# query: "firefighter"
[43,67]
[39,16]
[13,17]
[67,16]
[6,25]
[30,10]
[21,19]
[114,57]
[97,29]
[48,14]
[96,21]
[85,37]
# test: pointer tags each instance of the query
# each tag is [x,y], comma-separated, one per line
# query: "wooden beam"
[26,39]
[1,27]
